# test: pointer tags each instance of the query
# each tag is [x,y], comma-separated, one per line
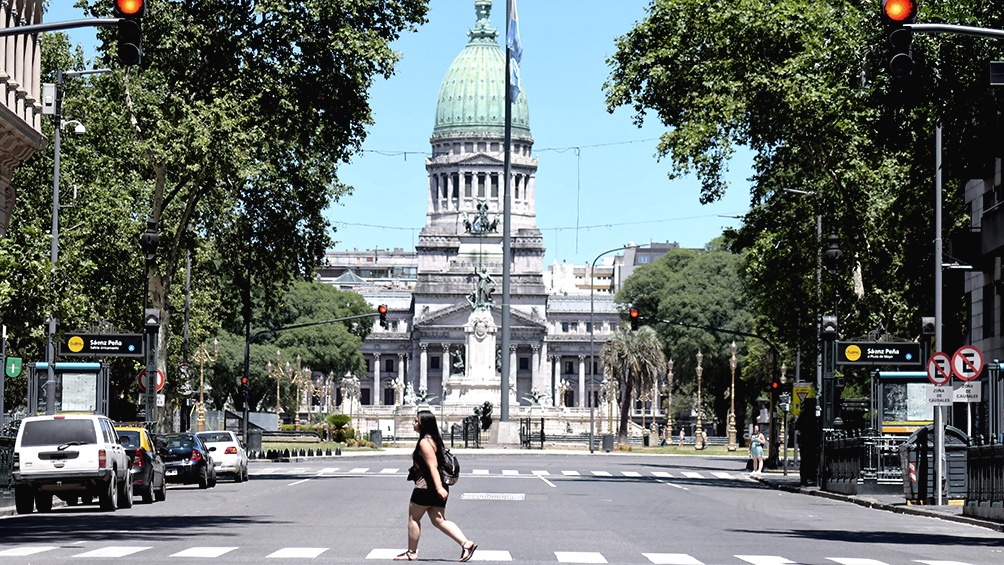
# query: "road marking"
[671,559]
[203,552]
[631,473]
[297,553]
[491,555]
[855,561]
[722,475]
[571,473]
[112,551]
[382,553]
[513,496]
[662,474]
[940,562]
[388,471]
[479,472]
[509,472]
[579,557]
[601,474]
[359,470]
[692,475]
[26,550]
[541,473]
[327,471]
[764,559]
[294,483]
[549,483]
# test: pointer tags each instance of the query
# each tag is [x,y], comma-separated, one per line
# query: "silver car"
[229,456]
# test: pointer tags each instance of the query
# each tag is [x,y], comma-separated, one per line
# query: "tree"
[804,86]
[634,359]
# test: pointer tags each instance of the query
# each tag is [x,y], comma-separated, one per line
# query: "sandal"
[407,556]
[467,551]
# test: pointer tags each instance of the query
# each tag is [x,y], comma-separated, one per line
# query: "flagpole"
[506,227]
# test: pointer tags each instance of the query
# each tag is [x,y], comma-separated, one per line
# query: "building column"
[445,367]
[377,388]
[399,397]
[555,378]
[512,370]
[582,381]
[423,369]
[534,370]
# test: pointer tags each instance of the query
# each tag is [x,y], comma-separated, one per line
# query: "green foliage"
[633,359]
[338,421]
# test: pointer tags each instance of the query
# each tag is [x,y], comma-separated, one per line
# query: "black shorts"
[427,497]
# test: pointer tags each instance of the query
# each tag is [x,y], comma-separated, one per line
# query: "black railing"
[531,431]
[985,475]
[861,461]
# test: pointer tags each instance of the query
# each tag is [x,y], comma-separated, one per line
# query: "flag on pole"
[515,48]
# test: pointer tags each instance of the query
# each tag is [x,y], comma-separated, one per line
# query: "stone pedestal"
[479,382]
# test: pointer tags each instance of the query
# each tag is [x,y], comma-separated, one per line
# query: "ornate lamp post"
[279,374]
[669,399]
[350,388]
[732,397]
[202,355]
[698,434]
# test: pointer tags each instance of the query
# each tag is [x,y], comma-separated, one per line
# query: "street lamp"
[698,434]
[592,361]
[732,397]
[278,373]
[669,400]
[350,389]
[202,355]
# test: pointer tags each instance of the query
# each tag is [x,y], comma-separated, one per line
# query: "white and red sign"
[141,379]
[939,369]
[967,363]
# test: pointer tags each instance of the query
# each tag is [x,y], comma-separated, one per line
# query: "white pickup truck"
[76,457]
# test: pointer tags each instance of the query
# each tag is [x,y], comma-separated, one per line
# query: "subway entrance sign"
[102,345]
[878,353]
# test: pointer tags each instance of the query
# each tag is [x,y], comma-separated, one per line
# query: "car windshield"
[58,432]
[215,438]
[128,438]
[176,442]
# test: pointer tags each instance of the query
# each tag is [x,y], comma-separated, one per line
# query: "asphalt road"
[526,508]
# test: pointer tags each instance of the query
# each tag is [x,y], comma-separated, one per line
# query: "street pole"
[939,422]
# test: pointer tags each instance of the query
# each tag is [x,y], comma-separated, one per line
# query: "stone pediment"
[469,159]
[458,314]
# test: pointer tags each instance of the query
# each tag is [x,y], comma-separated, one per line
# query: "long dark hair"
[427,427]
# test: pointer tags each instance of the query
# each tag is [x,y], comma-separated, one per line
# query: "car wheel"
[126,492]
[212,479]
[204,478]
[24,499]
[109,498]
[161,494]
[245,473]
[43,502]
[147,494]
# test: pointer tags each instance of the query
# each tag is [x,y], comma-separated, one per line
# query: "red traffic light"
[382,309]
[633,313]
[125,8]
[244,381]
[900,11]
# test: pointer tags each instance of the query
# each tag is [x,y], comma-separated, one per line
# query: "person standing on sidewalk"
[757,441]
[430,493]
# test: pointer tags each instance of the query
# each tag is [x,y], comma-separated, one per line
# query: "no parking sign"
[967,362]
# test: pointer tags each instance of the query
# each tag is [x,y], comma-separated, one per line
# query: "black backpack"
[449,468]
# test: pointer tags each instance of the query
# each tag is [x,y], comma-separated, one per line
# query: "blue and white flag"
[515,47]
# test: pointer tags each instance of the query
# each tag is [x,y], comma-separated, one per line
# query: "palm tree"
[635,360]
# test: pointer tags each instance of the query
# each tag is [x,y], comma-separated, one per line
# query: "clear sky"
[599,185]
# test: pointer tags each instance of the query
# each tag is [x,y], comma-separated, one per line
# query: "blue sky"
[608,192]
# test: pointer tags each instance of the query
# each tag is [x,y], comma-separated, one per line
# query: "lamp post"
[149,242]
[202,355]
[698,434]
[279,374]
[350,388]
[829,329]
[669,400]
[733,445]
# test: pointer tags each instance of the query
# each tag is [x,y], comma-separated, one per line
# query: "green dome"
[472,96]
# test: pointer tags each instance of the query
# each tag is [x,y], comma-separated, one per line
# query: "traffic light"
[895,13]
[828,328]
[244,389]
[130,13]
[633,314]
[382,309]
[151,320]
[775,384]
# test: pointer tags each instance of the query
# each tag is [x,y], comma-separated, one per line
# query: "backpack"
[449,468]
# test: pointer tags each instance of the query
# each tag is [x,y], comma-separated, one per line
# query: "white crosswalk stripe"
[297,553]
[601,473]
[204,552]
[662,474]
[509,472]
[764,559]
[388,471]
[672,559]
[855,561]
[631,473]
[579,557]
[541,473]
[571,473]
[480,472]
[334,471]
[26,550]
[112,551]
[359,470]
[692,475]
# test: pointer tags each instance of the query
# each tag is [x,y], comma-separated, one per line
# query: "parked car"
[73,456]
[229,455]
[186,460]
[147,470]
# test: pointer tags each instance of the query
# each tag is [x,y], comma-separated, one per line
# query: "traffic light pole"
[956,30]
[256,335]
[59,26]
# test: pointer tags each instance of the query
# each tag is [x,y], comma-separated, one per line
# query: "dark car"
[186,460]
[147,471]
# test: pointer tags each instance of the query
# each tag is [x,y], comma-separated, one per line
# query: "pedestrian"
[681,437]
[757,441]
[662,437]
[430,493]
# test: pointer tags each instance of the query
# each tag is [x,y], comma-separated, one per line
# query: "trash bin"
[608,442]
[645,440]
[917,459]
[253,442]
[376,436]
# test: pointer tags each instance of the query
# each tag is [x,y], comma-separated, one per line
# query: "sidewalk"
[887,502]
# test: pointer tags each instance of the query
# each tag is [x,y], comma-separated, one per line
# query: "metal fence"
[985,481]
[862,461]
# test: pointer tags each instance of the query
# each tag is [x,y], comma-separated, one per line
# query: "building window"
[434,362]
[989,299]
[589,327]
[569,368]
[369,367]
[468,182]
[643,259]
[573,326]
[495,186]
[524,363]
[388,366]
[481,185]
[393,326]
[564,327]
[456,184]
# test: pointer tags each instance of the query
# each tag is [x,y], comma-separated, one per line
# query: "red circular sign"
[141,379]
[967,362]
[939,369]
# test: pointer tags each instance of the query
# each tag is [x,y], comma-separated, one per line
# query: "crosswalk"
[57,553]
[286,470]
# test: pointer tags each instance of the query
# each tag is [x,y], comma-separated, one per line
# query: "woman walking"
[430,494]
[757,442]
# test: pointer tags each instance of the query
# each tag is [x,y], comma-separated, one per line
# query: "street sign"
[141,379]
[967,362]
[13,366]
[939,370]
[878,353]
[968,392]
[104,345]
[799,394]
[939,395]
